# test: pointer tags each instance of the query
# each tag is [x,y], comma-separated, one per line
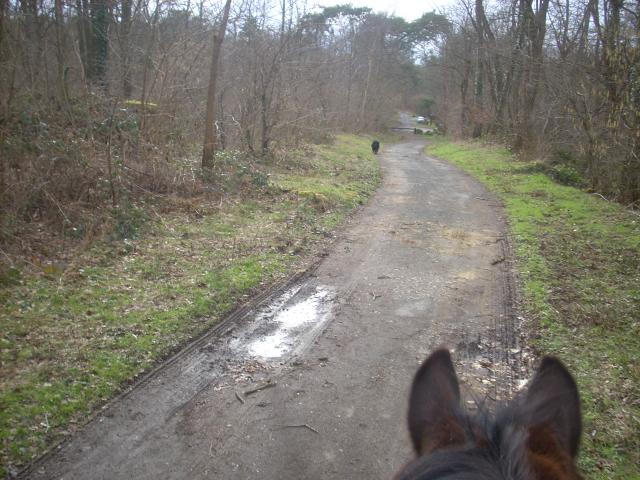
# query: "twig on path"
[45,424]
[269,384]
[301,425]
[239,397]
[498,260]
[601,196]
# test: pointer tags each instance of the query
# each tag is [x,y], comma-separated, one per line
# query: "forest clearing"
[176,176]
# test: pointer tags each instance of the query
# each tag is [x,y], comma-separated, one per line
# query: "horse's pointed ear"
[433,405]
[552,402]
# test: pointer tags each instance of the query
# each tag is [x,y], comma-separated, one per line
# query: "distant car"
[420,119]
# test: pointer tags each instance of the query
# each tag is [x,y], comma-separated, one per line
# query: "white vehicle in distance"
[420,119]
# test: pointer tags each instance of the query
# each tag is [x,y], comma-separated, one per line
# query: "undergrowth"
[73,334]
[578,259]
[71,175]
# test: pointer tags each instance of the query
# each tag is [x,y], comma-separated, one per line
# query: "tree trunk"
[264,106]
[127,88]
[537,29]
[60,48]
[99,44]
[220,126]
[479,80]
[83,35]
[4,6]
[147,65]
[347,113]
[478,94]
[209,135]
[31,44]
[365,95]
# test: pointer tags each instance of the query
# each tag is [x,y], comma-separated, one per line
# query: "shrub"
[566,175]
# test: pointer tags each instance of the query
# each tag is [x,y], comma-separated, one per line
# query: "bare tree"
[209,148]
[556,78]
[125,48]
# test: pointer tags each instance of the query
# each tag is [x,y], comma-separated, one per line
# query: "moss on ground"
[578,258]
[70,339]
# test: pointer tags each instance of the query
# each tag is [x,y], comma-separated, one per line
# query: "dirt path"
[422,265]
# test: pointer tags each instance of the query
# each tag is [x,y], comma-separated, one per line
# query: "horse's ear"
[433,405]
[552,402]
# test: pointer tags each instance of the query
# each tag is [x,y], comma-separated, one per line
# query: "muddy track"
[311,380]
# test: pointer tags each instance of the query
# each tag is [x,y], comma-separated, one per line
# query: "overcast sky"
[409,9]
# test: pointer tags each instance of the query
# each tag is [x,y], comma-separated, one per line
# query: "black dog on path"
[375,146]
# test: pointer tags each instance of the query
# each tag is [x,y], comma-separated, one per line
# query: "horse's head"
[535,437]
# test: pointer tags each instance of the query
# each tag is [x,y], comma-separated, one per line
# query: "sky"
[409,9]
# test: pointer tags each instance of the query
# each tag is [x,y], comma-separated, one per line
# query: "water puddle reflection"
[289,324]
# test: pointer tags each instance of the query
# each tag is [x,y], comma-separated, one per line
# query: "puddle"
[287,325]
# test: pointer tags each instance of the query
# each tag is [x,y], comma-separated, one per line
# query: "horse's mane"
[503,454]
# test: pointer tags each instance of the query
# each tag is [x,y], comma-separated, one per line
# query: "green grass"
[578,259]
[71,339]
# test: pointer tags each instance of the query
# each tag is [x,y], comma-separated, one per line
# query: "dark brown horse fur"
[535,437]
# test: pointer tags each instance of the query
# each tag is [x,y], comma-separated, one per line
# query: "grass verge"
[578,258]
[72,337]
